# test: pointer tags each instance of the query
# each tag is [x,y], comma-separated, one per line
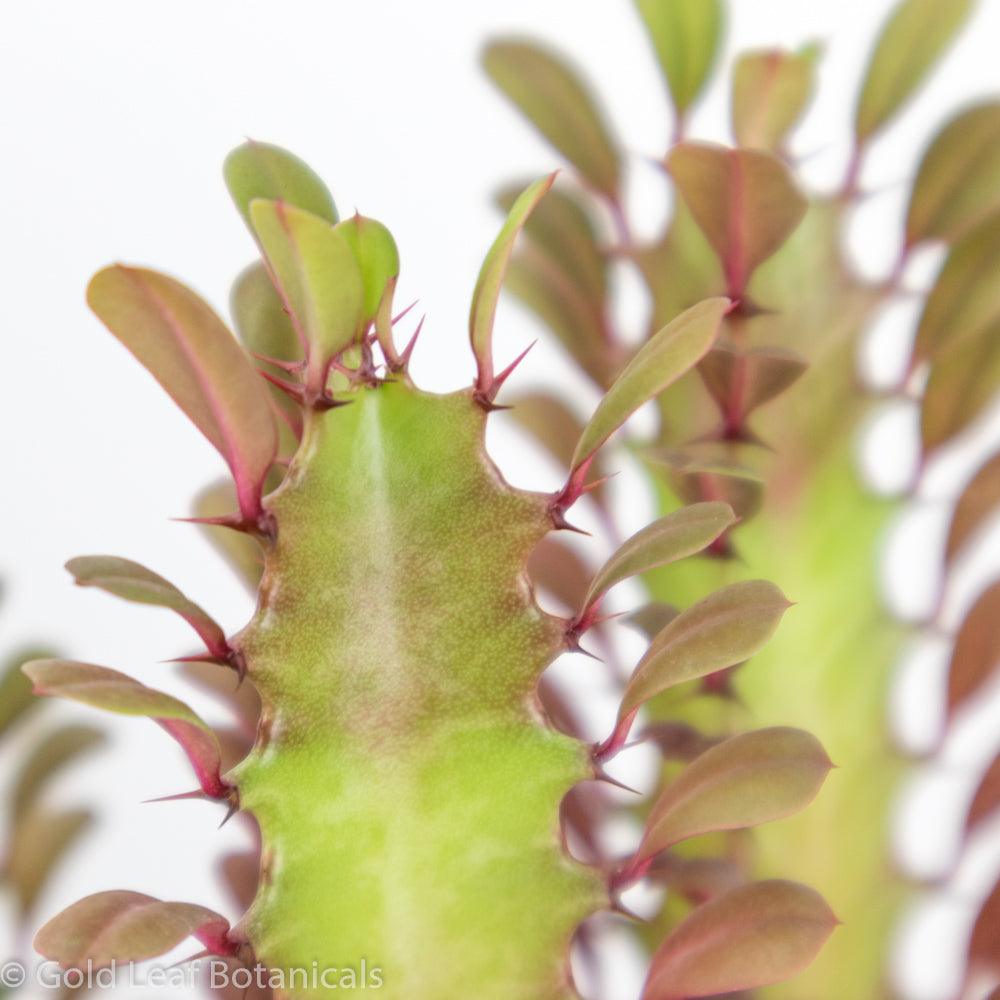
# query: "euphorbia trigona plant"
[408,768]
[767,422]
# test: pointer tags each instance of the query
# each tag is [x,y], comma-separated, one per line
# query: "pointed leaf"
[486,294]
[741,380]
[260,170]
[679,534]
[189,351]
[663,359]
[745,201]
[979,500]
[747,780]
[554,99]
[986,800]
[721,630]
[127,927]
[753,936]
[976,654]
[60,747]
[686,36]
[112,691]
[958,181]
[771,90]
[318,278]
[378,258]
[129,580]
[913,39]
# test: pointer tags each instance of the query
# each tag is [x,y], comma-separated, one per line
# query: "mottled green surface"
[407,794]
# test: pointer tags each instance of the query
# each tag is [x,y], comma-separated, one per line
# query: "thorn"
[294,390]
[598,483]
[180,796]
[400,315]
[292,367]
[616,741]
[404,358]
[601,775]
[263,527]
[560,523]
[498,380]
[572,640]
[234,807]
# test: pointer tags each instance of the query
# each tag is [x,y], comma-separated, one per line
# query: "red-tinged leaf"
[958,181]
[755,935]
[652,617]
[16,699]
[551,95]
[697,879]
[695,479]
[961,386]
[913,39]
[742,379]
[986,801]
[486,294]
[747,780]
[318,278]
[40,841]
[979,500]
[241,699]
[556,568]
[377,256]
[678,740]
[976,654]
[57,749]
[745,201]
[260,170]
[679,534]
[112,691]
[984,944]
[686,36]
[129,580]
[241,550]
[771,90]
[127,927]
[965,299]
[189,351]
[663,359]
[721,630]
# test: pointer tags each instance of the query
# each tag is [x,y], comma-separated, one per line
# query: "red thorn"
[234,808]
[573,489]
[616,741]
[404,358]
[179,797]
[596,484]
[292,367]
[601,775]
[263,526]
[559,521]
[498,380]
[633,871]
[572,641]
[400,315]
[294,390]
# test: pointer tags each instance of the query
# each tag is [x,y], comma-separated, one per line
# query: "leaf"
[260,170]
[377,256]
[16,698]
[984,953]
[965,297]
[557,569]
[486,294]
[771,90]
[961,385]
[241,551]
[958,181]
[678,740]
[189,351]
[112,691]
[745,201]
[550,94]
[697,477]
[127,927]
[318,279]
[652,617]
[753,936]
[259,317]
[913,39]
[698,879]
[686,36]
[58,748]
[747,780]
[129,580]
[679,534]
[979,499]
[40,841]
[986,800]
[976,653]
[721,630]
[663,359]
[741,380]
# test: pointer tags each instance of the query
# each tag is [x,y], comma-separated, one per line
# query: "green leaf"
[112,691]
[486,294]
[966,295]
[260,170]
[686,36]
[753,936]
[979,500]
[742,379]
[679,534]
[129,580]
[318,278]
[551,95]
[976,654]
[747,780]
[663,359]
[958,181]
[260,318]
[16,699]
[189,351]
[127,927]
[377,256]
[745,201]
[912,41]
[721,630]
[962,384]
[58,748]
[771,90]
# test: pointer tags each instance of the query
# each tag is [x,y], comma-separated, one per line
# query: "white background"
[116,116]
